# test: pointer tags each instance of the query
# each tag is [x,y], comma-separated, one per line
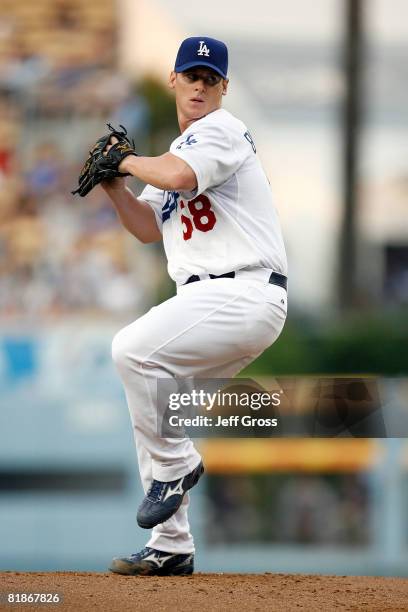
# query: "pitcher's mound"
[234,592]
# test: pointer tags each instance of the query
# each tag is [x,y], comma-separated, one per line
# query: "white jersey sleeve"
[154,197]
[213,152]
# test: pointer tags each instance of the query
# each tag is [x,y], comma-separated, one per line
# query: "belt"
[274,279]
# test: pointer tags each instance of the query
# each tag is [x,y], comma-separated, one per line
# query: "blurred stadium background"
[70,276]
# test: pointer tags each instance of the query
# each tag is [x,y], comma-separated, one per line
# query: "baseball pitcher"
[210,202]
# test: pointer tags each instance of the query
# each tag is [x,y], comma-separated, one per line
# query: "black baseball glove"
[99,167]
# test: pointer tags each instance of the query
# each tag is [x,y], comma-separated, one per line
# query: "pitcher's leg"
[171,458]
[190,335]
[174,534]
[184,337]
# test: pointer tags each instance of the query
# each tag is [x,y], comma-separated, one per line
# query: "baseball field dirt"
[275,592]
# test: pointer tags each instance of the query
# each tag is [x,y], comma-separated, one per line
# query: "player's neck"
[185,122]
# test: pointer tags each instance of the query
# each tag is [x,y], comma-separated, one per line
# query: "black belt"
[274,279]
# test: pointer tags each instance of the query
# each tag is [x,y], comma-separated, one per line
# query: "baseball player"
[210,202]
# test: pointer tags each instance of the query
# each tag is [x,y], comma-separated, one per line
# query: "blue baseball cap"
[202,51]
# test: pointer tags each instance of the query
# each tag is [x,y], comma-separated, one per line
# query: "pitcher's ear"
[172,79]
[225,86]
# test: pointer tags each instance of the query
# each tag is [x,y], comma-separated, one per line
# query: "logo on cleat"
[159,561]
[178,490]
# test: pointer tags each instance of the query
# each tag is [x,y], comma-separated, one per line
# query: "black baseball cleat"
[152,562]
[163,499]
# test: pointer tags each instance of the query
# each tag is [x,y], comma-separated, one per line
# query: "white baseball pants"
[210,329]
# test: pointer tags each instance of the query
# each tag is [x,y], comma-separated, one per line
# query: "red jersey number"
[203,217]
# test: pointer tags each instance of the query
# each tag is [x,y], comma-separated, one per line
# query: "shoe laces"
[141,554]
[155,491]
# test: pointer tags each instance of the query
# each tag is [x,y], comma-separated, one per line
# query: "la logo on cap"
[203,49]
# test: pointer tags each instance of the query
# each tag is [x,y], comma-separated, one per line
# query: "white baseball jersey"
[229,221]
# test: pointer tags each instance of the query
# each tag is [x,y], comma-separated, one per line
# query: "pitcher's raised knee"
[124,349]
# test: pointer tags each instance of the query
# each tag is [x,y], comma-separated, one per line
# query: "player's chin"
[197,109]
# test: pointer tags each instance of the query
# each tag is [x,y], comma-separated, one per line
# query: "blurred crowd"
[59,85]
[296,509]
